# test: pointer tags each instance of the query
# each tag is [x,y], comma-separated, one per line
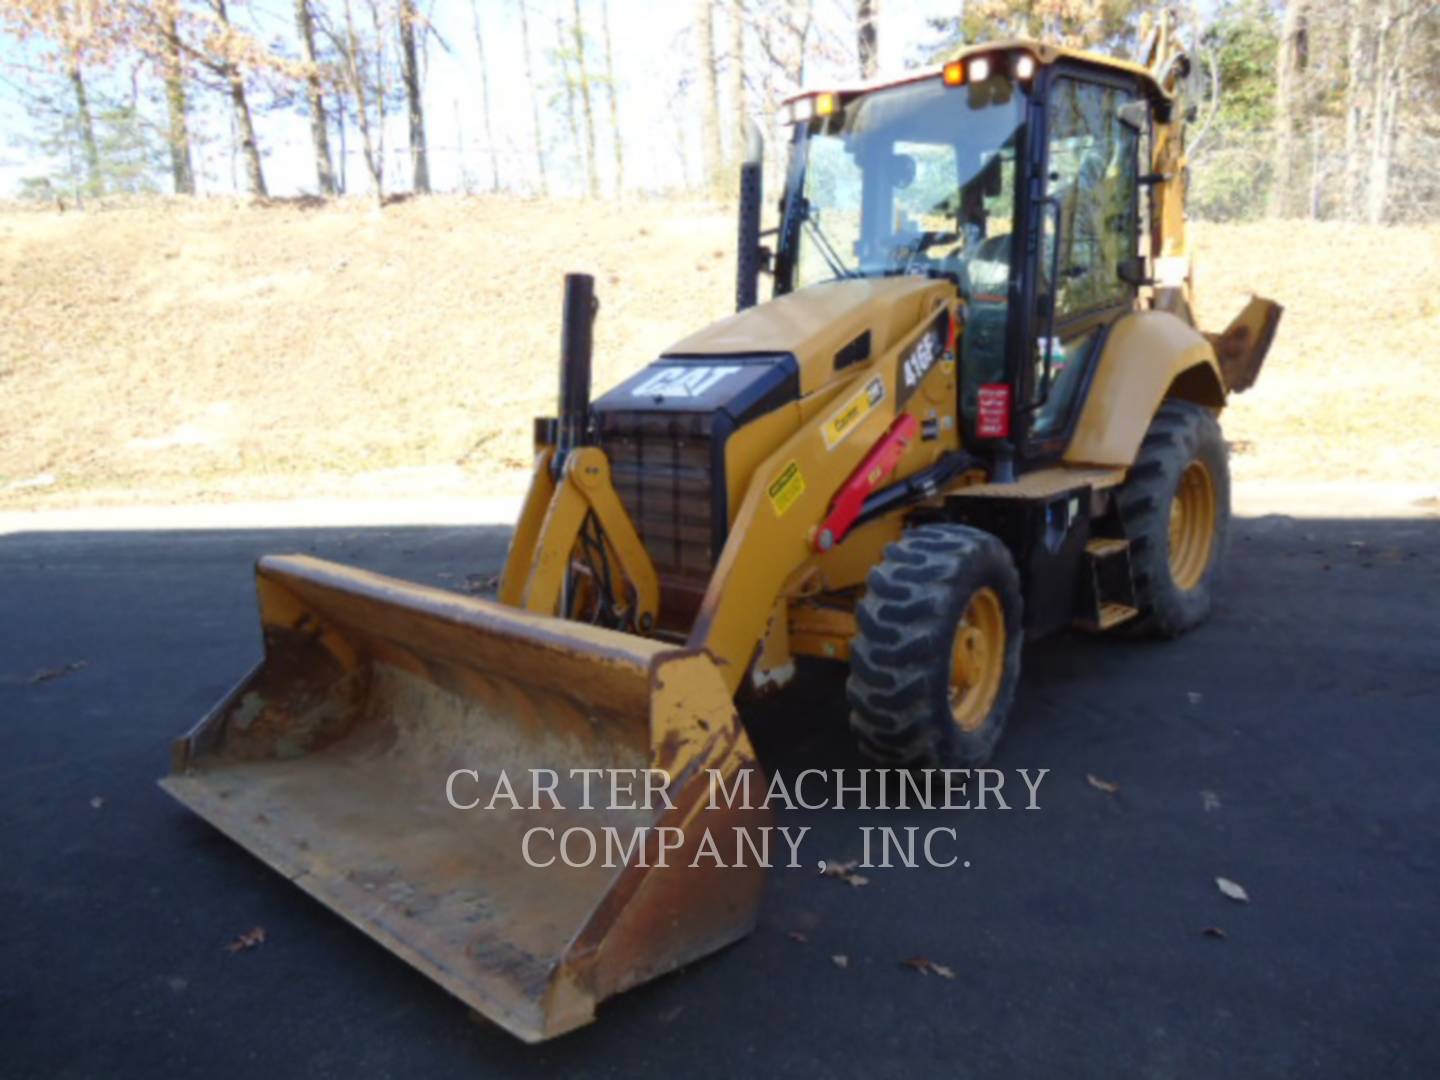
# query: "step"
[1114,615]
[1101,546]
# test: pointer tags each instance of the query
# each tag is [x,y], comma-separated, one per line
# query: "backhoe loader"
[975,411]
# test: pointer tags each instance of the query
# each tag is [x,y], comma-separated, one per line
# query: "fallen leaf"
[926,966]
[480,584]
[1101,785]
[797,935]
[840,960]
[845,871]
[44,675]
[1215,932]
[96,801]
[1233,890]
[248,940]
[1209,800]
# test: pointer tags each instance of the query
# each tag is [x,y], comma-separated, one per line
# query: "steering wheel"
[928,239]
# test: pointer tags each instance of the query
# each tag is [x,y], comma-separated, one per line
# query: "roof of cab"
[1043,53]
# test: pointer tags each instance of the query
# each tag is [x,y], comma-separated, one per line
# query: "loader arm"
[545,550]
[771,542]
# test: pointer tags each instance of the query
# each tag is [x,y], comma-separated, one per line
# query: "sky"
[653,48]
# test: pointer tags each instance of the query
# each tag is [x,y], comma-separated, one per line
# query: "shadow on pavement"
[1289,745]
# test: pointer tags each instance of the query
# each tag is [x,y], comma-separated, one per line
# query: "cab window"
[1090,228]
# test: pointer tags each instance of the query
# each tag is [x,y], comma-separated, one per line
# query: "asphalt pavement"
[1292,745]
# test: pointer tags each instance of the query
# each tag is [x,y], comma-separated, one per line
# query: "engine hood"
[825,327]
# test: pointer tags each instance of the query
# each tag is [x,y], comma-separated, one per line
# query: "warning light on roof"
[954,74]
[1024,66]
[825,104]
[979,69]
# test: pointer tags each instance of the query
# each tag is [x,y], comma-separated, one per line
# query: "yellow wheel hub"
[1192,526]
[977,660]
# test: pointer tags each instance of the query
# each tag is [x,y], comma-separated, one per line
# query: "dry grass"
[1351,388]
[178,351]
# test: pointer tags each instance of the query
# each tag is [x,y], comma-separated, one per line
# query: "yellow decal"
[786,488]
[855,409]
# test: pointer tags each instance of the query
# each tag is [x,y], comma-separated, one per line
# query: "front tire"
[1175,511]
[936,656]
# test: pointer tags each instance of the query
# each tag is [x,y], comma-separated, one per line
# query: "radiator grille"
[662,466]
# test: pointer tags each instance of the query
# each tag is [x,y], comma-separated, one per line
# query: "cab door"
[1088,223]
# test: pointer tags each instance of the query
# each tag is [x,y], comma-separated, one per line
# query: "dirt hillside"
[184,352]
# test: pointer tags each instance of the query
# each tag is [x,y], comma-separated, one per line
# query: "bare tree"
[365,74]
[485,95]
[1355,113]
[315,94]
[583,77]
[200,39]
[562,57]
[866,43]
[1395,23]
[737,75]
[182,169]
[229,67]
[1291,61]
[709,88]
[534,99]
[619,143]
[410,75]
[85,122]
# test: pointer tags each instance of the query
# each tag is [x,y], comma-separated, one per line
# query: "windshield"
[918,178]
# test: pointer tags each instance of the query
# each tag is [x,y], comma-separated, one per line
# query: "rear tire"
[936,656]
[1175,510]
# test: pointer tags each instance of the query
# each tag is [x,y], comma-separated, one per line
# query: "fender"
[1148,356]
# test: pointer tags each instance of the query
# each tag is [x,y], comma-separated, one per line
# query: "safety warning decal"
[786,488]
[858,406]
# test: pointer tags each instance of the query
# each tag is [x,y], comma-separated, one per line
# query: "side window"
[1091,214]
[832,184]
[1092,179]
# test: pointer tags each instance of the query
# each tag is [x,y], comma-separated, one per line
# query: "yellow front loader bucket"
[330,761]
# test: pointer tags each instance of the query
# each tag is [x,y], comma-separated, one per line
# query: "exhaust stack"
[576,352]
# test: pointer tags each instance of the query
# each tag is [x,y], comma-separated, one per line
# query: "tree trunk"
[319,127]
[410,74]
[372,140]
[570,121]
[87,129]
[1394,36]
[340,178]
[592,174]
[181,169]
[709,89]
[866,38]
[240,110]
[1290,64]
[737,75]
[254,172]
[534,100]
[619,143]
[802,17]
[485,98]
[1355,111]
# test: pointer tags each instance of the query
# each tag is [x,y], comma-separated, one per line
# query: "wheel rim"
[1192,526]
[977,660]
